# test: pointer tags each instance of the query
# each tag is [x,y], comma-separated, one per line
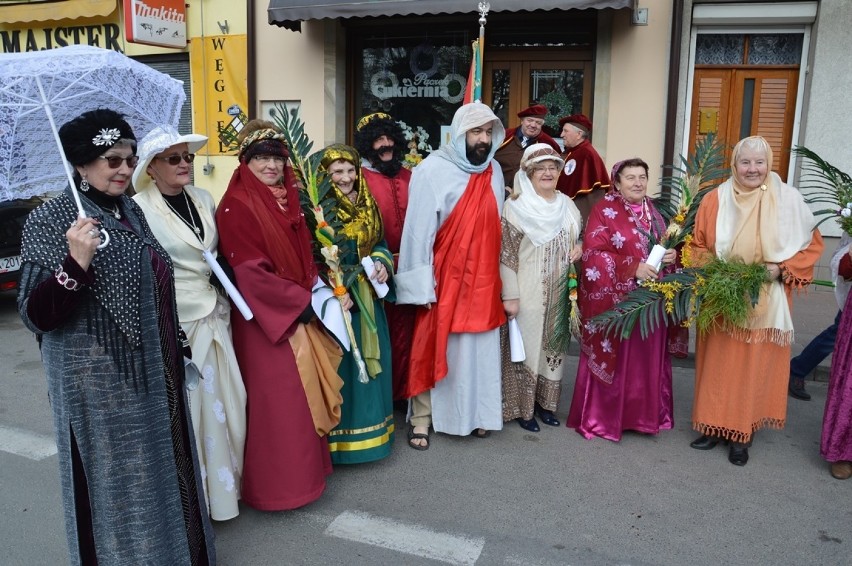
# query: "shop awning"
[25,12]
[290,13]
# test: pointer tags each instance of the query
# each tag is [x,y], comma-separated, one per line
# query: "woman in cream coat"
[181,217]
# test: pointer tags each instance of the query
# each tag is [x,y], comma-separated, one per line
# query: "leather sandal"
[418,436]
[480,433]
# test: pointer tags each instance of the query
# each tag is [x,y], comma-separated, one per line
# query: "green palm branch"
[717,295]
[647,308]
[329,243]
[316,197]
[696,175]
[824,184]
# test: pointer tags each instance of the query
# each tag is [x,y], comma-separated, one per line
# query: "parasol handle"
[55,132]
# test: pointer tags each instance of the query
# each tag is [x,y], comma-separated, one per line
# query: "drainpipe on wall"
[671,95]
[251,56]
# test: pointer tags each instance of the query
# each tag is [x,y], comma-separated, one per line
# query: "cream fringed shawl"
[769,225]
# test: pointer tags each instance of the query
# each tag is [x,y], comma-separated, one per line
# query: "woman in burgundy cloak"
[289,364]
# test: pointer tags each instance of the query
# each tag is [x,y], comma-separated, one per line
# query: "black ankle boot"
[547,417]
[704,442]
[738,454]
[797,389]
[530,425]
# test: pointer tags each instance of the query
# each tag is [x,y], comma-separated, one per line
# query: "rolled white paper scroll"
[516,343]
[237,299]
[370,266]
[655,258]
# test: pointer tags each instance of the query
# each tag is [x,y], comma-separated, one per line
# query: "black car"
[13,214]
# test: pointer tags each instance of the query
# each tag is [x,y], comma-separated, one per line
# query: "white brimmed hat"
[158,140]
[538,152]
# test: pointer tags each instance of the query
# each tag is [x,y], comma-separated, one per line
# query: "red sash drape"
[467,274]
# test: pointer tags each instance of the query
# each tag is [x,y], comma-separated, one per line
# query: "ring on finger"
[93,232]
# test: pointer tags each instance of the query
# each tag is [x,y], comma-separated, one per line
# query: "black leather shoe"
[530,425]
[797,389]
[704,442]
[547,417]
[738,454]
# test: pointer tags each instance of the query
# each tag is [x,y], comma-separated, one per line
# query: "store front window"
[418,73]
[417,80]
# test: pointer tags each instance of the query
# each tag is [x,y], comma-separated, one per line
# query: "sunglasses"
[175,158]
[114,161]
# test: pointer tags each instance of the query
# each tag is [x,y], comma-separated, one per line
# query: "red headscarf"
[284,230]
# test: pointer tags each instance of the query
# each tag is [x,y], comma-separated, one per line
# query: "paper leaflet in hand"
[235,295]
[516,343]
[369,266]
[327,307]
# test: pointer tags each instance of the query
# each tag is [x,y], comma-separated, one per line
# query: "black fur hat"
[90,134]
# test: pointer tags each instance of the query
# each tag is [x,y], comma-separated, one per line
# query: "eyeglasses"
[267,158]
[175,158]
[547,168]
[114,161]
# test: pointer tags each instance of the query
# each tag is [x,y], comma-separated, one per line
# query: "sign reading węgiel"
[156,22]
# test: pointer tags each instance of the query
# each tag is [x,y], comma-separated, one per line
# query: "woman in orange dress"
[741,376]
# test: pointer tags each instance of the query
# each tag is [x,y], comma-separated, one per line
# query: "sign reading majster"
[156,22]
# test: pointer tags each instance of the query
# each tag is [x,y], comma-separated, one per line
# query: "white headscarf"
[541,220]
[785,225]
[466,118]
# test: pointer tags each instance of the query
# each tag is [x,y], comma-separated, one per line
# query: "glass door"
[564,87]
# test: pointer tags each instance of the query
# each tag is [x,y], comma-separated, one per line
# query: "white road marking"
[27,444]
[409,539]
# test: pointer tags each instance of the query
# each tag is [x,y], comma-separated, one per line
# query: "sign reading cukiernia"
[156,22]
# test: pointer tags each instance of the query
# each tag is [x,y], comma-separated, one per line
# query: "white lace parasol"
[42,90]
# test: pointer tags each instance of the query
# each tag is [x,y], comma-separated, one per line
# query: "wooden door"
[514,80]
[746,101]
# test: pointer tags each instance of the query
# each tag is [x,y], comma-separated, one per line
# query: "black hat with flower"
[92,133]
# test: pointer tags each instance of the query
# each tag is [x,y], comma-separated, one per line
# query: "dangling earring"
[84,185]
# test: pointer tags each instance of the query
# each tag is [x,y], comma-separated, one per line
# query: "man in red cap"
[517,139]
[584,177]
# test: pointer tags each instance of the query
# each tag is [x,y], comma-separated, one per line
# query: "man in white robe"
[462,396]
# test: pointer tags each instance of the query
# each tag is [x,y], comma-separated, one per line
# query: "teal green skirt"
[365,432]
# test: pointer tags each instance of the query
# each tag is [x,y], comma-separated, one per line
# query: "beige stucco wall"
[827,113]
[635,105]
[301,67]
[827,117]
